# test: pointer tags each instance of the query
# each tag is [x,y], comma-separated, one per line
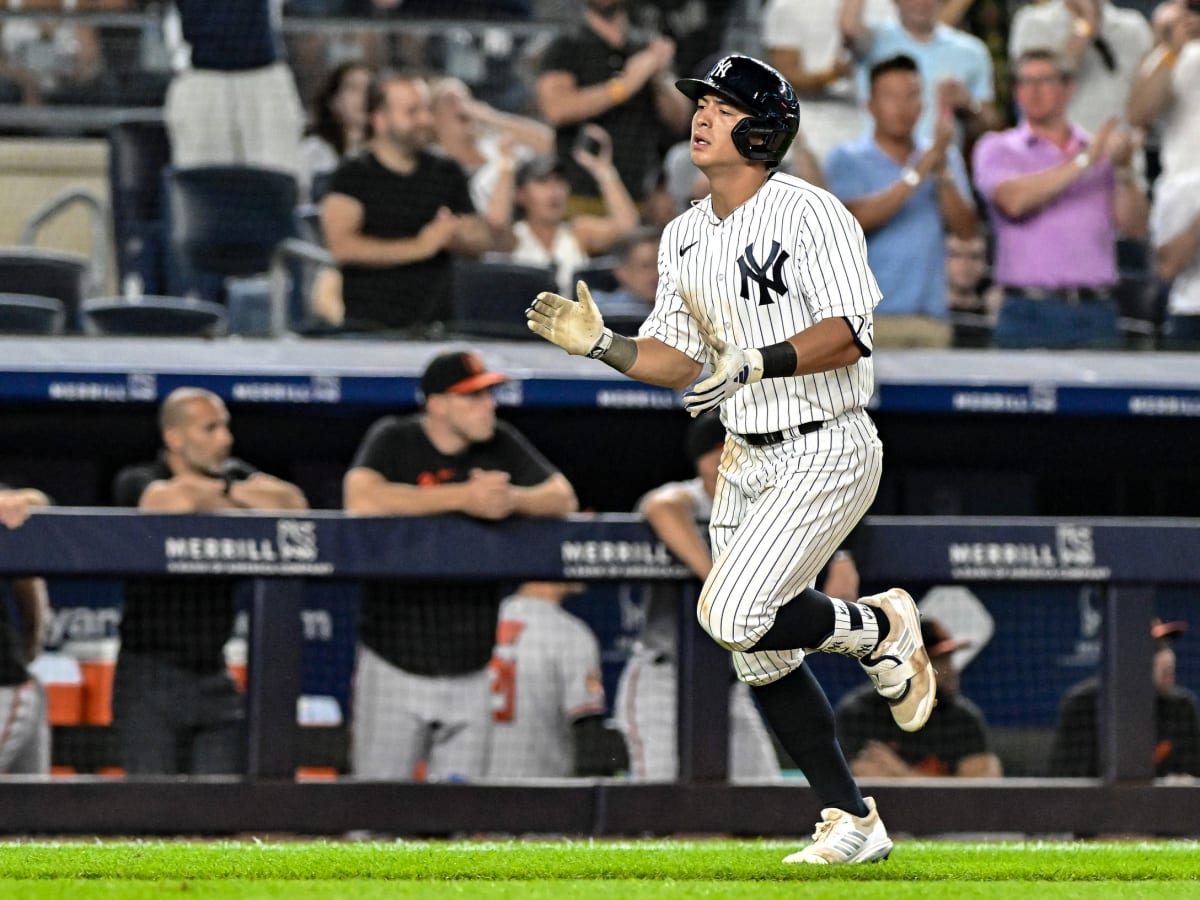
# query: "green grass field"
[532,870]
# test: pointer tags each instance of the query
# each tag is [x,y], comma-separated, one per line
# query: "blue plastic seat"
[27,314]
[138,152]
[154,317]
[490,298]
[56,274]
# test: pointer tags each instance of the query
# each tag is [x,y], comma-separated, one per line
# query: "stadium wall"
[1124,559]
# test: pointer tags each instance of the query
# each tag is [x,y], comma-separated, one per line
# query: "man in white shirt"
[1103,42]
[1167,87]
[1175,235]
[804,42]
[956,68]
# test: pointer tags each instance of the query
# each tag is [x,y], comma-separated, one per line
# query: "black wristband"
[779,360]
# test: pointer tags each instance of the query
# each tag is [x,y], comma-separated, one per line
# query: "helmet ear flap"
[761,139]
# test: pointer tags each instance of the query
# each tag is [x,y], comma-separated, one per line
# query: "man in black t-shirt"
[421,689]
[395,213]
[602,75]
[953,742]
[1076,749]
[174,704]
[24,607]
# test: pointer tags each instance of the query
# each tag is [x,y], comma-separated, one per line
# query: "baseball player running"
[766,280]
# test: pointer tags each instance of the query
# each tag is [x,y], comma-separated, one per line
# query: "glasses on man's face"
[1038,80]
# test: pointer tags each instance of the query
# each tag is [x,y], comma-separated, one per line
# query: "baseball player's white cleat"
[899,665]
[842,838]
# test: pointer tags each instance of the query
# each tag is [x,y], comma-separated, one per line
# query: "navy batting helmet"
[759,89]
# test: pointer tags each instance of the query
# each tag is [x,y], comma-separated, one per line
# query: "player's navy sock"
[813,620]
[800,715]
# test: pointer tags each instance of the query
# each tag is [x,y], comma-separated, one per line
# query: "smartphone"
[587,143]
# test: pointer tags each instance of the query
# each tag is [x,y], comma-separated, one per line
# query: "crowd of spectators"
[585,139]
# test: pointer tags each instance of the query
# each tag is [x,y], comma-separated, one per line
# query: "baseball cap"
[539,167]
[1161,629]
[703,435]
[457,372]
[937,639]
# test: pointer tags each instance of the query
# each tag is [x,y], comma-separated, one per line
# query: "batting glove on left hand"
[733,369]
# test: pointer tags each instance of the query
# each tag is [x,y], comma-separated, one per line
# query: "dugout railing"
[1129,558]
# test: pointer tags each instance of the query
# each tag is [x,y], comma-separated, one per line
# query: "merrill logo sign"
[620,559]
[1070,557]
[293,551]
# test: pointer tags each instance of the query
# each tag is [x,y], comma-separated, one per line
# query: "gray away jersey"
[545,675]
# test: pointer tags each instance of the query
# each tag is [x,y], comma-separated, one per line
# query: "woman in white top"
[477,135]
[543,236]
[339,123]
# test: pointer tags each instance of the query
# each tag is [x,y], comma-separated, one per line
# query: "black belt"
[767,438]
[1064,294]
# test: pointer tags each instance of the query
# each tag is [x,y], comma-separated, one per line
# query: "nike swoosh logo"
[683,250]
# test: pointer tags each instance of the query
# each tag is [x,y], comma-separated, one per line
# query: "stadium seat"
[490,298]
[1133,258]
[226,221]
[320,186]
[626,325]
[970,329]
[1141,310]
[138,151]
[598,274]
[154,317]
[27,314]
[56,274]
[308,223]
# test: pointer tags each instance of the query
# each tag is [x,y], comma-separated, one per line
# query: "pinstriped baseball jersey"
[787,258]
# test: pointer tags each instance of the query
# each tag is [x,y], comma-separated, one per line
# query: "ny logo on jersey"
[752,270]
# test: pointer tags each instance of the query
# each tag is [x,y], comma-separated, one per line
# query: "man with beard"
[394,215]
[175,705]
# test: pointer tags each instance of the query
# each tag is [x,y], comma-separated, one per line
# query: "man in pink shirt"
[1057,198]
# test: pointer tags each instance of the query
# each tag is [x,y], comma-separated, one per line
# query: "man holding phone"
[602,75]
[1166,89]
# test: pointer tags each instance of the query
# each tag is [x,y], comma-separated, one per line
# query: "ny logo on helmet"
[754,271]
[722,67]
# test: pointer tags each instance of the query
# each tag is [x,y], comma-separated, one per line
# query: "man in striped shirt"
[771,263]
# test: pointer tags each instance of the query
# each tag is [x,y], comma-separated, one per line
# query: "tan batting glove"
[576,327]
[732,369]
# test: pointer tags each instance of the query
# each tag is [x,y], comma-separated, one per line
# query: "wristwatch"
[910,176]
